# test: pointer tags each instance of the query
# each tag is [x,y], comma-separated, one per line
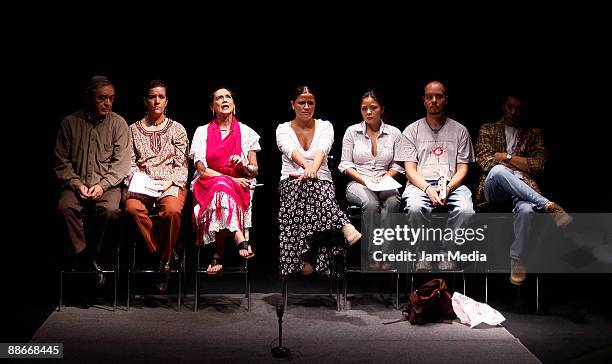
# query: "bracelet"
[250,168]
[304,163]
[425,189]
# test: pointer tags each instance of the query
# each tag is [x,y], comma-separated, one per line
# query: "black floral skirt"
[308,216]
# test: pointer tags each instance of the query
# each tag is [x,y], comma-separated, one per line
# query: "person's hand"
[84,192]
[236,162]
[309,172]
[434,195]
[162,185]
[500,156]
[245,183]
[95,192]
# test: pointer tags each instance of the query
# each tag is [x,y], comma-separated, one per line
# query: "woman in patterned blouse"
[159,151]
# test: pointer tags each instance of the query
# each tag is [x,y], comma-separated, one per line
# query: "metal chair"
[114,270]
[241,268]
[354,214]
[285,290]
[133,270]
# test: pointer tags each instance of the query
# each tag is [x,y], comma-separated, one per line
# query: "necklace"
[435,131]
[148,121]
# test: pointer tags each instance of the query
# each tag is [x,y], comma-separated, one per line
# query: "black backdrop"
[559,70]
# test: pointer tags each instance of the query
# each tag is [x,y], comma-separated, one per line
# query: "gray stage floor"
[223,331]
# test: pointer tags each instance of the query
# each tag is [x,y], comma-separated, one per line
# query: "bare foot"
[215,266]
[245,250]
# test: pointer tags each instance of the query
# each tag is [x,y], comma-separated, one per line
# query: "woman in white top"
[367,155]
[224,153]
[307,196]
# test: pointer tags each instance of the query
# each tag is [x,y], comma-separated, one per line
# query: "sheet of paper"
[141,183]
[385,184]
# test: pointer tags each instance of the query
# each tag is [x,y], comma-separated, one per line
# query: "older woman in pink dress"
[224,153]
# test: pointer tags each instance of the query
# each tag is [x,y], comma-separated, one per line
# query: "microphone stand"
[280,351]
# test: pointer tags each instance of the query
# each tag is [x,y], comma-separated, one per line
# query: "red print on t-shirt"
[437,151]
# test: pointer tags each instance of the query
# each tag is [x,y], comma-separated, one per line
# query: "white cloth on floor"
[472,312]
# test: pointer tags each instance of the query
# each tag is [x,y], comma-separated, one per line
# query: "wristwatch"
[508,157]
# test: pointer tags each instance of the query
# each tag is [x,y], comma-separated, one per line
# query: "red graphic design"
[437,151]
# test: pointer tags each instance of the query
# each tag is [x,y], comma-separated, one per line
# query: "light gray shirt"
[435,153]
[357,151]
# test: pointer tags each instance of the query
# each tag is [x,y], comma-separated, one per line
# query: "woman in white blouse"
[224,153]
[308,205]
[367,155]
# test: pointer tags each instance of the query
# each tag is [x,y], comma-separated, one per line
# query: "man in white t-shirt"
[432,148]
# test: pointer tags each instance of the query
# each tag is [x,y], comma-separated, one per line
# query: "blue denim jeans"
[375,207]
[459,204]
[503,186]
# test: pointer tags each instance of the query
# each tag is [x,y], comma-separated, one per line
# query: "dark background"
[556,63]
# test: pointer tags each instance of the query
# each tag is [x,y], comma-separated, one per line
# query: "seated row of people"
[96,151]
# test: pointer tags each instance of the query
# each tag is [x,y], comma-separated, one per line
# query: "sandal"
[216,261]
[244,245]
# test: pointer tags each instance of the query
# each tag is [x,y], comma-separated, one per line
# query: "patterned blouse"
[529,144]
[161,154]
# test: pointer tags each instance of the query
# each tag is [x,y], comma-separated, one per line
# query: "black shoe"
[163,266]
[162,284]
[100,279]
[85,262]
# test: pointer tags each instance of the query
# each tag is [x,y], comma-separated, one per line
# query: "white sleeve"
[198,146]
[348,144]
[283,140]
[327,137]
[252,139]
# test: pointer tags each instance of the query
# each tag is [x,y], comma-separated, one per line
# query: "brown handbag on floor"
[430,303]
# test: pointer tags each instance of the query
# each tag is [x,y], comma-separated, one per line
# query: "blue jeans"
[375,208]
[503,186]
[459,204]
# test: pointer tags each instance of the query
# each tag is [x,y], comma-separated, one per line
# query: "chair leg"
[537,293]
[344,289]
[486,287]
[197,289]
[248,291]
[180,289]
[61,295]
[396,291]
[338,300]
[115,289]
[284,290]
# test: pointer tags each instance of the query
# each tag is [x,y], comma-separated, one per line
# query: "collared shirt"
[90,152]
[161,154]
[529,144]
[287,142]
[357,151]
